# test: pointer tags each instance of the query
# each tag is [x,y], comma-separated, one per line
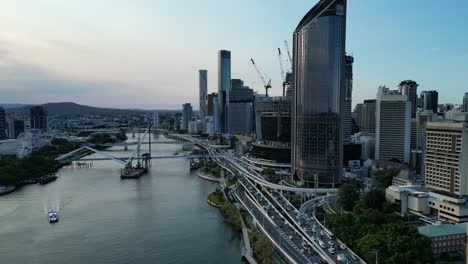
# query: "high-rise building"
[317,101]
[414,155]
[465,103]
[410,89]
[239,108]
[422,117]
[203,93]
[216,120]
[288,84]
[38,118]
[15,128]
[348,94]
[446,155]
[393,126]
[155,120]
[2,124]
[186,116]
[366,116]
[211,105]
[273,129]
[430,100]
[224,85]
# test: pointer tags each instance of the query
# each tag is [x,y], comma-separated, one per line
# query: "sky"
[146,53]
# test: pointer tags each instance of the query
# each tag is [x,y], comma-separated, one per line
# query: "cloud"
[20,82]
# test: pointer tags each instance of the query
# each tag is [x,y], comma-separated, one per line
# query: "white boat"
[53,217]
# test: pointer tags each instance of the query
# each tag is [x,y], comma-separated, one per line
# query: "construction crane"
[289,54]
[283,73]
[266,84]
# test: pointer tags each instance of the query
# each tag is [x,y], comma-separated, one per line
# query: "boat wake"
[51,206]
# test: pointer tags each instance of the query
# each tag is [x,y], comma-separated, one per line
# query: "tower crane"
[266,84]
[289,54]
[283,73]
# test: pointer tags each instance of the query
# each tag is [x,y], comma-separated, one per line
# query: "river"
[163,217]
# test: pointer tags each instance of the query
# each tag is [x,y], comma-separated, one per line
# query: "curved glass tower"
[317,105]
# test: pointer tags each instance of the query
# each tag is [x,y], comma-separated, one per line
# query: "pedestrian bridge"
[77,155]
[123,144]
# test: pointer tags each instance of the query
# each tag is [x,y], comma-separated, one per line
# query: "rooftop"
[443,230]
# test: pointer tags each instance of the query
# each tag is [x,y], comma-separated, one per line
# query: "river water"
[162,217]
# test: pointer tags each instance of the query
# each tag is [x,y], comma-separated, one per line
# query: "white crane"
[263,77]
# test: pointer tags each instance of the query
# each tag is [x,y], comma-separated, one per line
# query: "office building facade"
[211,104]
[366,116]
[422,118]
[15,128]
[2,124]
[156,120]
[216,115]
[446,155]
[317,101]
[465,103]
[393,126]
[38,118]
[430,100]
[203,93]
[239,109]
[410,89]
[224,85]
[186,116]
[348,94]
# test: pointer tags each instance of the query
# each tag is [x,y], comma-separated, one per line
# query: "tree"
[374,199]
[396,243]
[383,178]
[59,141]
[347,196]
[262,248]
[268,172]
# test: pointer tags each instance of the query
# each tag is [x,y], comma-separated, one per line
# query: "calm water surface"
[162,217]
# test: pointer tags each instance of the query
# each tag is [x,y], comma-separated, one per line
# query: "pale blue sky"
[137,53]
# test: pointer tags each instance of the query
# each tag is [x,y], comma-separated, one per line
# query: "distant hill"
[6,106]
[72,108]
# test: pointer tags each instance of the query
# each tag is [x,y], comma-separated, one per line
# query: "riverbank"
[216,199]
[208,177]
[29,170]
[6,189]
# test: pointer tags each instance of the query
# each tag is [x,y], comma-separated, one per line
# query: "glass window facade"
[317,109]
[224,85]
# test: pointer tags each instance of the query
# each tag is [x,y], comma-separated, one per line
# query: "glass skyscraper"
[2,124]
[410,89]
[224,85]
[348,94]
[317,103]
[430,100]
[203,93]
[38,118]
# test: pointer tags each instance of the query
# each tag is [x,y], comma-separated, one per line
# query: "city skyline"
[352,150]
[78,52]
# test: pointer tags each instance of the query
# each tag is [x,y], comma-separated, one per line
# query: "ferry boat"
[53,216]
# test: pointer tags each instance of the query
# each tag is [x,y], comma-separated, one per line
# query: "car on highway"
[331,243]
[322,244]
[331,250]
[342,246]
